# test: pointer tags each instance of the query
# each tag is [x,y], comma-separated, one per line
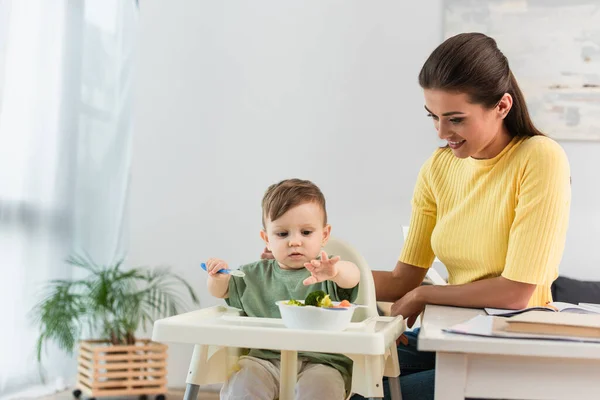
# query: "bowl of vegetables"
[316,312]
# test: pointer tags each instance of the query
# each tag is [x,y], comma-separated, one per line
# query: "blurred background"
[150,130]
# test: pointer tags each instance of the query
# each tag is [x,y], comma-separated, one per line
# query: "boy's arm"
[348,274]
[218,284]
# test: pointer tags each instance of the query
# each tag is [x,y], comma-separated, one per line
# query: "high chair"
[366,296]
[212,364]
[432,274]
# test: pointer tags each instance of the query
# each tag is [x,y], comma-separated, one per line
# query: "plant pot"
[123,370]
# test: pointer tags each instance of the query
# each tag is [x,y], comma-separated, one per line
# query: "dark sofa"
[575,291]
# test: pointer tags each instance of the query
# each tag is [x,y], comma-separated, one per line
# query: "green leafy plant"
[110,301]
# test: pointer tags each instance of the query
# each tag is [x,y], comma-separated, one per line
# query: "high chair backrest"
[432,274]
[366,288]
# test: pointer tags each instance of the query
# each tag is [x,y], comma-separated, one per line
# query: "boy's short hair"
[289,193]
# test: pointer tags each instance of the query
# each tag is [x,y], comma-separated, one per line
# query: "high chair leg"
[288,374]
[191,392]
[395,391]
[393,373]
[374,369]
[198,365]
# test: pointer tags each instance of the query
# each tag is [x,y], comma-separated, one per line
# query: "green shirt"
[265,283]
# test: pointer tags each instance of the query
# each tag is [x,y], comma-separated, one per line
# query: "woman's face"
[471,130]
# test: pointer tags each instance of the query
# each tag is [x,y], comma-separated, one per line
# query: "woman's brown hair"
[472,63]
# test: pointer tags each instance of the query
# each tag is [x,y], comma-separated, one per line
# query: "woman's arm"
[493,292]
[390,286]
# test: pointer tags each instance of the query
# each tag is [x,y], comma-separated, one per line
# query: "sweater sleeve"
[417,249]
[537,234]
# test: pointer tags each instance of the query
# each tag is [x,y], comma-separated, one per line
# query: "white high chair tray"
[223,326]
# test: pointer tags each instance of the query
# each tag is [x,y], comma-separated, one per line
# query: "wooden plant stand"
[108,370]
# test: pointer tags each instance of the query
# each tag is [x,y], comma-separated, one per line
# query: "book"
[556,324]
[495,327]
[557,306]
[590,306]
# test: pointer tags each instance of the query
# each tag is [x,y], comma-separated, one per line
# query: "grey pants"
[258,379]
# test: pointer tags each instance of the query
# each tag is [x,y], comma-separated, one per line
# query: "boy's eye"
[306,233]
[281,234]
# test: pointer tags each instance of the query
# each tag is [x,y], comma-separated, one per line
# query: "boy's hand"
[321,270]
[213,265]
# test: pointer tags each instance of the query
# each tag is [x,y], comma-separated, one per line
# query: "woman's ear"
[265,237]
[326,234]
[504,105]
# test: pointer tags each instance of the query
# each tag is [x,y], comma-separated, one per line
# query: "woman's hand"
[266,254]
[390,286]
[321,270]
[410,306]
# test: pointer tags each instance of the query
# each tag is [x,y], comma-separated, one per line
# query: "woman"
[493,205]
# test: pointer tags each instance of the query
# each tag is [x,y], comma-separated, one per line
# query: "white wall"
[581,259]
[233,96]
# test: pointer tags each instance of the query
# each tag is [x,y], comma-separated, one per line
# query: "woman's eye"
[456,121]
[281,234]
[306,233]
[430,115]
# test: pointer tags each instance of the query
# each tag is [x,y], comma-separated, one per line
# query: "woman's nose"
[443,132]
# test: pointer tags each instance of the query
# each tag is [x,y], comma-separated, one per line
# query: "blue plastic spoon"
[233,272]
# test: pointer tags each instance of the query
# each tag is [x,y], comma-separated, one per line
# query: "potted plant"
[111,302]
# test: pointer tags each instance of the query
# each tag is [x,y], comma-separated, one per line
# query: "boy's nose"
[295,242]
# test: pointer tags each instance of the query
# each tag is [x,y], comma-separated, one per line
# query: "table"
[498,368]
[367,343]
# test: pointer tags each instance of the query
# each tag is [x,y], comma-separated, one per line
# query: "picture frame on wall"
[553,48]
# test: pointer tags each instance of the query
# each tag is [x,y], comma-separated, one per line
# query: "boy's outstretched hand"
[321,270]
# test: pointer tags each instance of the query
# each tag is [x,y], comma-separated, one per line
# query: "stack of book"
[558,321]
[557,306]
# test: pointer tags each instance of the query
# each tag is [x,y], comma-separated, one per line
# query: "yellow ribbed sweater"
[506,216]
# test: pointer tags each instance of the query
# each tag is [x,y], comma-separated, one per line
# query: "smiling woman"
[470,97]
[474,131]
[493,205]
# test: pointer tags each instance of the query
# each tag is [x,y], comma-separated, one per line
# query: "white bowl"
[315,318]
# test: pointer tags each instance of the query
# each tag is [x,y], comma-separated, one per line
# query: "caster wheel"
[77,393]
[160,397]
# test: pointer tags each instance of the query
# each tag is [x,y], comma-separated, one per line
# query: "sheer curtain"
[65,132]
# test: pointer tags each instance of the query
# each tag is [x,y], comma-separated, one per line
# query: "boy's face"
[297,236]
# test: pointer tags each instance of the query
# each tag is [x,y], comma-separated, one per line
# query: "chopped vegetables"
[344,303]
[315,298]
[325,302]
[319,298]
